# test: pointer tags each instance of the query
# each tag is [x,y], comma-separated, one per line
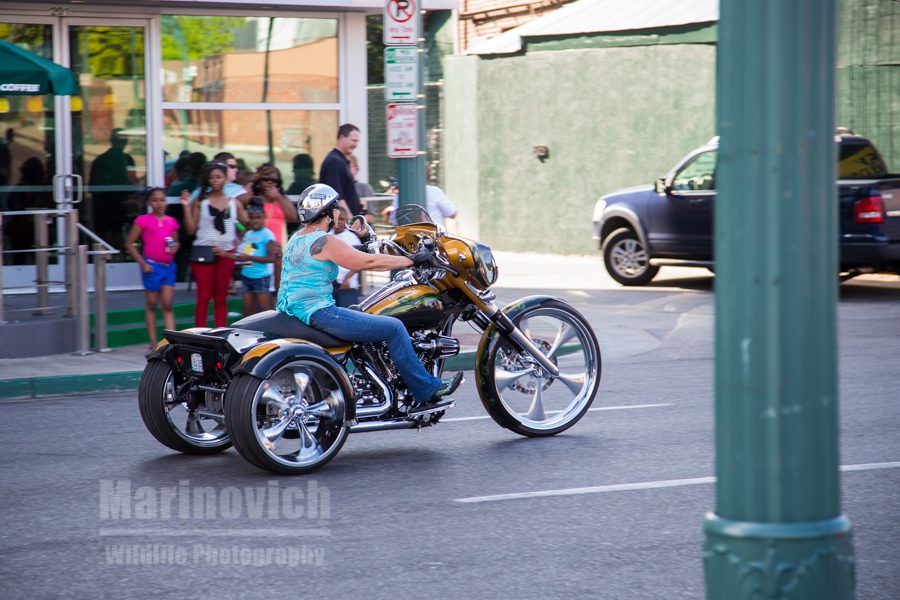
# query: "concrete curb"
[124,381]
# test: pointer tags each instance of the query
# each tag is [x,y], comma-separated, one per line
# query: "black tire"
[507,377]
[255,406]
[156,401]
[626,259]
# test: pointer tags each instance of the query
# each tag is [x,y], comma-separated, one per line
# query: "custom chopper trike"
[287,395]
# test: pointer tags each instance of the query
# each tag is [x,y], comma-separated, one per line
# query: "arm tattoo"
[318,245]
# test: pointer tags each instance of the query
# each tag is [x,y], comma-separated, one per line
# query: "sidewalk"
[120,368]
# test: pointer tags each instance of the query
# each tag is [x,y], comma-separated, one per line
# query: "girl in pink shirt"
[159,245]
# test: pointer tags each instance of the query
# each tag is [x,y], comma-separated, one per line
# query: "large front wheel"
[292,422]
[522,396]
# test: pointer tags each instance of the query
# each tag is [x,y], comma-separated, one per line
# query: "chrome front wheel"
[292,422]
[524,397]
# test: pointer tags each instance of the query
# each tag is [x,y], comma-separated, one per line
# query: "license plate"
[196,363]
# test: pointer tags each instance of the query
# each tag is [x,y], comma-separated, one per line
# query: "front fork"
[506,326]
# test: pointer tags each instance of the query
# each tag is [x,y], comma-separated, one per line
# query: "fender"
[621,212]
[262,360]
[489,339]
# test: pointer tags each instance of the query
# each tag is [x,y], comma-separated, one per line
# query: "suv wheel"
[626,258]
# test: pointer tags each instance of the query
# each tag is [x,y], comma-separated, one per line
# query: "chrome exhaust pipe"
[378,409]
[384,425]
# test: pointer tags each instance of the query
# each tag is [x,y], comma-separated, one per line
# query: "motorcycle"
[287,395]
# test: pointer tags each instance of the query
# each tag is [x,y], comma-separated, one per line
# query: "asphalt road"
[93,507]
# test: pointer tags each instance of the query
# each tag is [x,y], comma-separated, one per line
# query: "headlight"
[485,264]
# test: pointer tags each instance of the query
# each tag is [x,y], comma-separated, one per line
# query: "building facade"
[164,79]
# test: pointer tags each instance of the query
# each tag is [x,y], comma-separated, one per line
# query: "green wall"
[611,117]
[618,111]
[868,73]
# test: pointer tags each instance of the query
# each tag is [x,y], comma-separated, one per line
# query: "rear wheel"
[292,422]
[193,424]
[626,259]
[520,395]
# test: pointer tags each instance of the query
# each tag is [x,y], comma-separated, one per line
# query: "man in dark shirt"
[335,170]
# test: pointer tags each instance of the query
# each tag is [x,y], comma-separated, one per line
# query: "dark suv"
[671,222]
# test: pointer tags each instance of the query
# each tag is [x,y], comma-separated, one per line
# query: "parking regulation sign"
[401,73]
[401,22]
[402,130]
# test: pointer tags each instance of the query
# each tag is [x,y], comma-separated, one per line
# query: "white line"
[628,407]
[212,532]
[870,466]
[647,485]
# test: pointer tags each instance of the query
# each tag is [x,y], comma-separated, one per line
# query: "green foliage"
[375,49]
[195,37]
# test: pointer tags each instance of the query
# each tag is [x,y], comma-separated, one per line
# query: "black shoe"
[448,385]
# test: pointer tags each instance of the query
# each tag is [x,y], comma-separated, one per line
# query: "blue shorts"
[257,285]
[162,274]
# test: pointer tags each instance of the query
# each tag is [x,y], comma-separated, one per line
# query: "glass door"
[109,133]
[99,135]
[28,129]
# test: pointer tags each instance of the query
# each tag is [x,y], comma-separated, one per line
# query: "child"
[259,251]
[159,244]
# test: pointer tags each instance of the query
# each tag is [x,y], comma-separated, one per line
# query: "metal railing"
[76,273]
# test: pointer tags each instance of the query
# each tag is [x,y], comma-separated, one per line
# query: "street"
[94,507]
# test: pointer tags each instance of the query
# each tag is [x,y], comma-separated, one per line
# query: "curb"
[124,381]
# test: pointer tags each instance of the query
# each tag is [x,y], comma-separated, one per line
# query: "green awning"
[24,73]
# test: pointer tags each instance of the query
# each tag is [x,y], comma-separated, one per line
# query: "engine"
[432,346]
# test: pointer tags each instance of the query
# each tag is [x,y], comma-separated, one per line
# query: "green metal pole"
[411,171]
[777,531]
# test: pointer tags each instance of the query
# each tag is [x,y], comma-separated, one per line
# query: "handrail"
[98,240]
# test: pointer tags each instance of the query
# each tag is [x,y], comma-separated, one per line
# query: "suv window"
[699,174]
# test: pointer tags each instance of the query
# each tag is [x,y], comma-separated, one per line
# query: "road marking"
[626,407]
[212,532]
[647,485]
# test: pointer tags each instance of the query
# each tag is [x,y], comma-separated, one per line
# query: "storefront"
[163,80]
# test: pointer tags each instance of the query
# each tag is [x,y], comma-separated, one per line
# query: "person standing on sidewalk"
[346,286]
[257,252]
[158,248]
[213,216]
[335,171]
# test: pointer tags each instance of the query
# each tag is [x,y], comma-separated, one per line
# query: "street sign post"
[403,68]
[401,74]
[402,130]
[401,23]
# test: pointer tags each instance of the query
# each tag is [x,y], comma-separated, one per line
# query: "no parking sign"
[400,23]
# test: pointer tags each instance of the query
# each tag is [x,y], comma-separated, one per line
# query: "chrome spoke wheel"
[193,423]
[202,425]
[527,398]
[299,415]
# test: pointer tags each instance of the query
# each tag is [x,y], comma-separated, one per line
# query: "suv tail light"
[869,210]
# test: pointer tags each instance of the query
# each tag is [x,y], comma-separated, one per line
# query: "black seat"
[279,325]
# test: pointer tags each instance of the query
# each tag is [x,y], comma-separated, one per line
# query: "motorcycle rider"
[311,260]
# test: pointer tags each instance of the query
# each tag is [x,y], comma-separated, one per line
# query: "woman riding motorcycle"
[311,260]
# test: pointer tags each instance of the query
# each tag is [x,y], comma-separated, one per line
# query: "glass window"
[27,149]
[249,59]
[699,174]
[287,138]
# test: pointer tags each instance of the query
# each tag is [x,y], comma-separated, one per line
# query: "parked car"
[671,222]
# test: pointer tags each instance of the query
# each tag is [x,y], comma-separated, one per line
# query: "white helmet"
[316,200]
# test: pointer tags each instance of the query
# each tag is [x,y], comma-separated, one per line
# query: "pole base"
[778,561]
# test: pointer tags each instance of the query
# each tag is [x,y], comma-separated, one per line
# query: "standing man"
[335,170]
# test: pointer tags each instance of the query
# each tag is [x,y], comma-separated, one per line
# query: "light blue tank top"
[305,282]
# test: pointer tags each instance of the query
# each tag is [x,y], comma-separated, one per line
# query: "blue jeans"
[356,326]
